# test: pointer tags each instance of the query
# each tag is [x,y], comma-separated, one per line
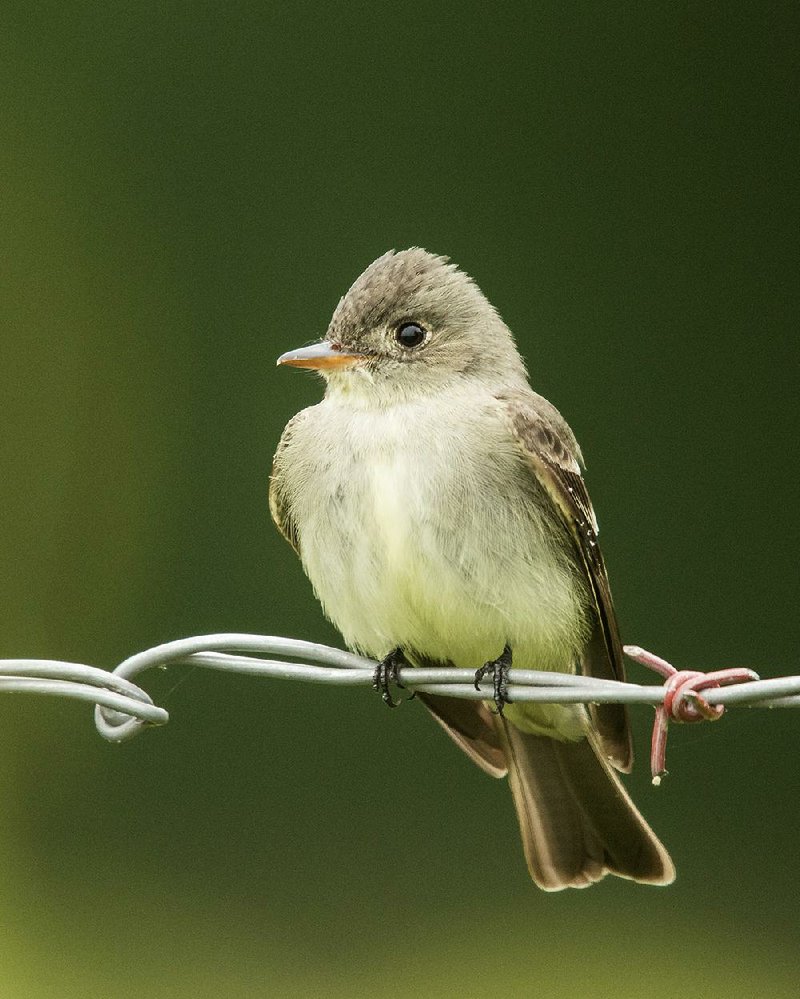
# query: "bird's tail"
[577,820]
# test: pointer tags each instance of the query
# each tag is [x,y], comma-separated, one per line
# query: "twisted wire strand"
[122,708]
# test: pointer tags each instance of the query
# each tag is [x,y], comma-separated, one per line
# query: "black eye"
[410,335]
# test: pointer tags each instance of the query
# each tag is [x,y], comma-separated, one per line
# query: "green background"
[187,189]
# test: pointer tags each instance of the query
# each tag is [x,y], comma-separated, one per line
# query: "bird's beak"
[320,356]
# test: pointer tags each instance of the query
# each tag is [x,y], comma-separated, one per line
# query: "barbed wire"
[123,709]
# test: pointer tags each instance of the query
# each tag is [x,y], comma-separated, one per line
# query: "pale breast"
[419,527]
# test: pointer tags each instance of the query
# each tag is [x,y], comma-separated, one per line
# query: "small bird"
[438,508]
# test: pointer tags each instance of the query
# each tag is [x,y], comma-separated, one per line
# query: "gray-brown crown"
[412,282]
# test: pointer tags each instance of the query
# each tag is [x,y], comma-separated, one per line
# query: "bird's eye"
[410,335]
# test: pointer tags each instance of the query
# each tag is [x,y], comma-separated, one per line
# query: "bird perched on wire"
[438,508]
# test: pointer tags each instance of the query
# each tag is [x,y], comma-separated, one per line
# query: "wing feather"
[552,453]
[278,501]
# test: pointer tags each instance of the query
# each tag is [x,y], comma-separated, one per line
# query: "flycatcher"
[437,505]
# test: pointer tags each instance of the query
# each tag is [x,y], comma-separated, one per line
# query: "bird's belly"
[440,568]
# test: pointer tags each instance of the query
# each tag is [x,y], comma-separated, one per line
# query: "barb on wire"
[683,701]
[122,708]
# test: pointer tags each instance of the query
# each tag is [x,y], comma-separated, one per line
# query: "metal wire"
[122,708]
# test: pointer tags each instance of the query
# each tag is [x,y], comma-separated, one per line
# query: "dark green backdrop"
[188,188]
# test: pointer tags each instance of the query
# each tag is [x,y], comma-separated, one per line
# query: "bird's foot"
[387,673]
[499,669]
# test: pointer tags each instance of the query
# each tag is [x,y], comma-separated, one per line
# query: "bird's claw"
[499,669]
[387,672]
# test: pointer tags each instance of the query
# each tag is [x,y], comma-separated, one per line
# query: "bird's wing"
[470,724]
[278,502]
[551,452]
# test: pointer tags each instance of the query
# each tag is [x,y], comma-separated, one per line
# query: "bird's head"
[411,325]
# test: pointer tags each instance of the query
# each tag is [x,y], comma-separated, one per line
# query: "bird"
[438,508]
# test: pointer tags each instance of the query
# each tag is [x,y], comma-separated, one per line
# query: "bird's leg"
[499,669]
[386,673]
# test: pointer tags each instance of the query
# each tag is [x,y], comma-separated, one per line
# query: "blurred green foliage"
[188,188]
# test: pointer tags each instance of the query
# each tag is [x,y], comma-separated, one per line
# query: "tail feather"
[577,821]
